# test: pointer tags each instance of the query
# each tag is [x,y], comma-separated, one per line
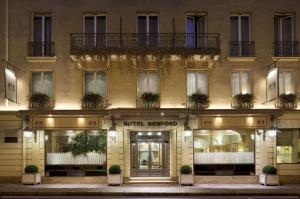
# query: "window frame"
[279,17]
[240,25]
[42,79]
[147,15]
[240,81]
[94,74]
[197,71]
[43,15]
[138,94]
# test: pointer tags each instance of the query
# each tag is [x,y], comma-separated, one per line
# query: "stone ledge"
[286,59]
[241,59]
[41,59]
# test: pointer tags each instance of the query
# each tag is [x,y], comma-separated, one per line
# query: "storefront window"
[75,153]
[288,146]
[224,152]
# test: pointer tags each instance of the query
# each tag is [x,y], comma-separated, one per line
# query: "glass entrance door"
[149,154]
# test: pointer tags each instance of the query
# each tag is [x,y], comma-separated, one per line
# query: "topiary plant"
[115,169]
[31,169]
[186,169]
[270,170]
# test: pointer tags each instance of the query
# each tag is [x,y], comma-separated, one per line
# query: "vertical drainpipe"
[6,31]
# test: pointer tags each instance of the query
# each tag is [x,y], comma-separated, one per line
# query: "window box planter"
[31,175]
[186,176]
[93,101]
[148,100]
[41,101]
[287,101]
[114,176]
[269,177]
[242,101]
[197,101]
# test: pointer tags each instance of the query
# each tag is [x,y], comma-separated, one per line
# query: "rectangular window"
[195,27]
[95,31]
[147,30]
[42,82]
[147,82]
[240,35]
[286,82]
[196,82]
[240,83]
[288,146]
[224,152]
[42,36]
[95,82]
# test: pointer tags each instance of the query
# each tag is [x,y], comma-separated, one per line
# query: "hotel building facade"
[151,86]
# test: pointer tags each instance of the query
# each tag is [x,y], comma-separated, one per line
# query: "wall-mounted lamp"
[112,131]
[188,132]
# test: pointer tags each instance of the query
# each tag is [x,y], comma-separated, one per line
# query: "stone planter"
[186,179]
[268,179]
[114,179]
[31,178]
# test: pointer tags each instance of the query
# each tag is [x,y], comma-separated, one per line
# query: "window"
[288,146]
[42,82]
[148,30]
[224,152]
[75,152]
[286,82]
[240,83]
[284,44]
[95,30]
[95,82]
[196,82]
[196,25]
[240,35]
[42,36]
[147,82]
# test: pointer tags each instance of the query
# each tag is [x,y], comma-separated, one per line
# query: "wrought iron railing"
[196,105]
[242,48]
[242,104]
[40,105]
[140,103]
[286,104]
[102,105]
[40,49]
[169,43]
[286,49]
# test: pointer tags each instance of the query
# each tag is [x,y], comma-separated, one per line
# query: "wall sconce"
[112,131]
[188,132]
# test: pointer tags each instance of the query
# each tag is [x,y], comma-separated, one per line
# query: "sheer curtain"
[235,84]
[48,83]
[89,79]
[142,83]
[286,83]
[101,83]
[36,83]
[191,83]
[245,82]
[202,82]
[153,82]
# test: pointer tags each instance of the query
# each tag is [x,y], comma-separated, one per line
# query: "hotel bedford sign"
[152,123]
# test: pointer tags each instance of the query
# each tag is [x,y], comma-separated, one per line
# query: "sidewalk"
[149,190]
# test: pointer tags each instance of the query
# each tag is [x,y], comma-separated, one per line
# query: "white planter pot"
[268,179]
[186,179]
[31,178]
[114,179]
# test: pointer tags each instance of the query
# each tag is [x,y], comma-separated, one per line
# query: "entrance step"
[151,180]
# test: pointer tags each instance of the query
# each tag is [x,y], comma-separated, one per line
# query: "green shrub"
[39,98]
[31,169]
[92,99]
[186,169]
[150,97]
[269,170]
[288,98]
[114,169]
[244,98]
[199,98]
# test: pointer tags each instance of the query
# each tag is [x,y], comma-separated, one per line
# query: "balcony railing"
[40,49]
[242,48]
[286,49]
[136,43]
[38,105]
[102,105]
[196,105]
[144,104]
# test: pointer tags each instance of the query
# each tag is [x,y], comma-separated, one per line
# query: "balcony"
[142,44]
[197,101]
[242,101]
[286,49]
[148,100]
[242,48]
[49,105]
[286,101]
[40,49]
[98,106]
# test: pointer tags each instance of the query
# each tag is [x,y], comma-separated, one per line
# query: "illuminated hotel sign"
[272,84]
[10,85]
[149,123]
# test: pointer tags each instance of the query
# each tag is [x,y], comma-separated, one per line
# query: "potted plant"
[91,100]
[269,176]
[31,175]
[114,176]
[150,99]
[198,100]
[243,101]
[186,176]
[39,100]
[287,101]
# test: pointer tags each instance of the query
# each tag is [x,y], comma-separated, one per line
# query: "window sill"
[241,59]
[41,59]
[286,59]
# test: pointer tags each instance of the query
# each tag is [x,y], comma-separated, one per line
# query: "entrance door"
[149,154]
